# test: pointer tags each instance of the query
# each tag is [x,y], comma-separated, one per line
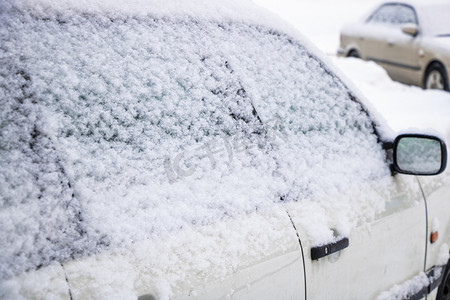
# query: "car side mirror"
[410,29]
[418,154]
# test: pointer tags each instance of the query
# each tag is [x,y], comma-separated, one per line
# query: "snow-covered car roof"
[233,10]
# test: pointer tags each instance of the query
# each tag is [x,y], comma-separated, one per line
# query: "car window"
[118,129]
[102,109]
[394,14]
[313,120]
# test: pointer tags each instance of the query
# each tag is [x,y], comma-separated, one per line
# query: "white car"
[203,150]
[410,40]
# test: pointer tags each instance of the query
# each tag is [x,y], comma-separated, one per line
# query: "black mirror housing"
[419,154]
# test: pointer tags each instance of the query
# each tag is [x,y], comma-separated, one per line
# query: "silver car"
[411,41]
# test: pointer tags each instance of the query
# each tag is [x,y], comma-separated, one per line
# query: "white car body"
[251,234]
[406,57]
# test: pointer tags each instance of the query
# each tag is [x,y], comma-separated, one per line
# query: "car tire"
[444,288]
[436,77]
[354,53]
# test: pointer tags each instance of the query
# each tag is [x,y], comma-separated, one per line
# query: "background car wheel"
[354,53]
[436,77]
[444,288]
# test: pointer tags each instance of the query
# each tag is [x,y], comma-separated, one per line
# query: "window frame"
[369,19]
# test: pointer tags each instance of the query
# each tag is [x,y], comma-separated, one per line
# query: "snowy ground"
[403,106]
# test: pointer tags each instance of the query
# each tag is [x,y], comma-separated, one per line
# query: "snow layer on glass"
[117,129]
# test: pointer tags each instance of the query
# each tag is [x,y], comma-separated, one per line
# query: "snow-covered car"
[202,150]
[410,40]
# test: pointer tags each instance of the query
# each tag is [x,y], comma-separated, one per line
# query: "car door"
[386,44]
[386,252]
[376,31]
[379,250]
[338,182]
[402,50]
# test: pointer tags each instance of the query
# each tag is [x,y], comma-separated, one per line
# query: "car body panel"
[437,193]
[402,52]
[386,251]
[164,269]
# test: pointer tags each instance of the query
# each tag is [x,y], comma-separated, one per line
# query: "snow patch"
[406,289]
[443,255]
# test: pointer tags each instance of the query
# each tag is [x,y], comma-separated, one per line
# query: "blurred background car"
[410,40]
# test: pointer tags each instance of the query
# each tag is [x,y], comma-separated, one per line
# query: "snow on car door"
[339,187]
[385,252]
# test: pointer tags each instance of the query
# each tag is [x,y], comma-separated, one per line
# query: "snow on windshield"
[118,129]
[437,19]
